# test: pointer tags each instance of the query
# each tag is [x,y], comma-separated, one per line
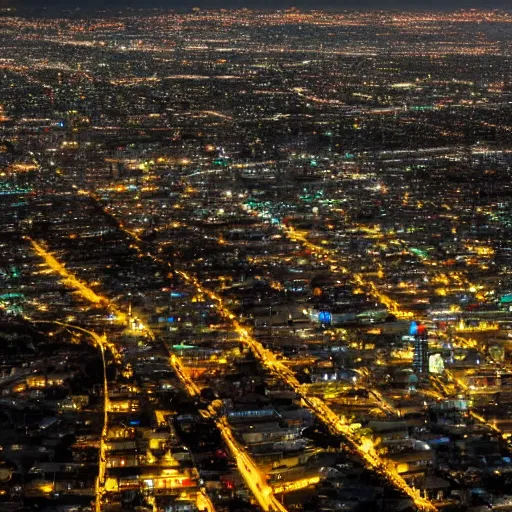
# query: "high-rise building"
[420,358]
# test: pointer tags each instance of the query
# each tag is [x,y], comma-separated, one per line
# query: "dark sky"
[311,4]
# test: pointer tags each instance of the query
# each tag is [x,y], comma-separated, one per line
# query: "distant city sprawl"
[255,260]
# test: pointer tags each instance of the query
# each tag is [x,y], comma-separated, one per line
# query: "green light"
[419,252]
[7,296]
[421,108]
[183,347]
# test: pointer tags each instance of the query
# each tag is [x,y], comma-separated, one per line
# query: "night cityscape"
[255,260]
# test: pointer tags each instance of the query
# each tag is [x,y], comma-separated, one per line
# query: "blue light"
[325,317]
[413,328]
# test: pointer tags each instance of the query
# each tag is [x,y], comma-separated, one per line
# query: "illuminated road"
[250,472]
[72,281]
[101,343]
[382,402]
[331,257]
[100,484]
[181,373]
